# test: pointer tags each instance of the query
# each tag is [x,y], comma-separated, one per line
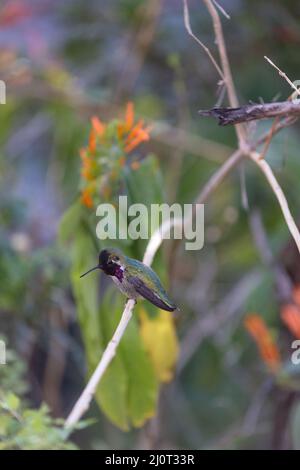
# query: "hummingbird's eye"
[116,258]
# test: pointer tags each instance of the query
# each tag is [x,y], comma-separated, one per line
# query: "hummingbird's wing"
[148,294]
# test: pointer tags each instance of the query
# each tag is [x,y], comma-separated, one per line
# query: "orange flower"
[136,133]
[88,165]
[82,153]
[296,294]
[135,130]
[129,136]
[86,173]
[129,116]
[120,130]
[135,165]
[86,198]
[290,315]
[92,141]
[122,160]
[98,126]
[263,338]
[136,136]
[125,126]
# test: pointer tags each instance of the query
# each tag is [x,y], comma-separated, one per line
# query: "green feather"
[148,276]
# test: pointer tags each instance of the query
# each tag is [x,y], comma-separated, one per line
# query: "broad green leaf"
[86,295]
[5,423]
[142,387]
[159,337]
[144,185]
[12,402]
[70,222]
[111,394]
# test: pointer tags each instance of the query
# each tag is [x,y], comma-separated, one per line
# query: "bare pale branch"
[284,75]
[187,23]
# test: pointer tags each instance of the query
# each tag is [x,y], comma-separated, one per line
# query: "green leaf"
[145,185]
[69,222]
[141,385]
[11,401]
[86,295]
[5,423]
[111,394]
[159,337]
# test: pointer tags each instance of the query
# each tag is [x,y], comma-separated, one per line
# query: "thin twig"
[249,425]
[221,9]
[244,193]
[266,169]
[216,317]
[207,190]
[219,176]
[265,149]
[192,143]
[232,96]
[282,281]
[284,75]
[186,17]
[282,124]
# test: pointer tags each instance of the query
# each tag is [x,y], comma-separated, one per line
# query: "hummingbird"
[133,278]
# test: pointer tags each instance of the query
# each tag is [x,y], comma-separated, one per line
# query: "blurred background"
[63,63]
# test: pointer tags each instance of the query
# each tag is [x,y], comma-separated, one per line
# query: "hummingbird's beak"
[90,270]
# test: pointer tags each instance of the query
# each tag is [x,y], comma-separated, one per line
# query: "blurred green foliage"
[20,426]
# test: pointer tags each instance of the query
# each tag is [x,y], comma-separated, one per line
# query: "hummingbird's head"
[110,261]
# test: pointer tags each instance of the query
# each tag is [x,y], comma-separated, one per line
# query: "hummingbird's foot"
[130,298]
